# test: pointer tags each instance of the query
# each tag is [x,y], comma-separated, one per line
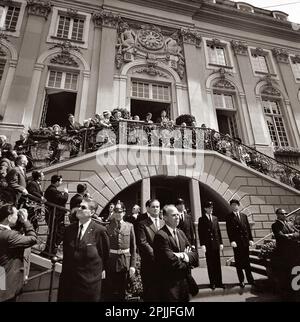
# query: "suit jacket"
[82,265]
[145,232]
[34,188]
[12,246]
[121,239]
[57,197]
[173,272]
[16,179]
[188,227]
[141,217]
[280,230]
[72,128]
[238,230]
[209,233]
[5,166]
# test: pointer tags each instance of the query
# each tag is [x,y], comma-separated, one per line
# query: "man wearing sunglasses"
[85,256]
[122,255]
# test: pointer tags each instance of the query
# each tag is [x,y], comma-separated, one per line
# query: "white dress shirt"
[84,227]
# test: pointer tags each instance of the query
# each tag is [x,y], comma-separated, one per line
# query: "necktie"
[79,234]
[237,215]
[119,225]
[156,223]
[176,238]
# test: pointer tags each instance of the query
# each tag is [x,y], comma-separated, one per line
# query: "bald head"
[171,216]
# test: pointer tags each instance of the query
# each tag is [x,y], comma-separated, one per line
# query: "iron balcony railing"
[46,150]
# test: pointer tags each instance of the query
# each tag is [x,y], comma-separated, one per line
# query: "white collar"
[5,226]
[171,229]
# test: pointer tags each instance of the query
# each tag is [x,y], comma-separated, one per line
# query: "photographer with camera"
[12,246]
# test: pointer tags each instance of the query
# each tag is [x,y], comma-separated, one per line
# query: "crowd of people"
[100,251]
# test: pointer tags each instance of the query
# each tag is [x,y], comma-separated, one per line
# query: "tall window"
[157,92]
[70,28]
[275,122]
[223,101]
[11,17]
[63,80]
[296,68]
[259,63]
[216,54]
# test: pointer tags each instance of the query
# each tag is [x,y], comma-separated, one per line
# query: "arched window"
[3,59]
[225,103]
[272,106]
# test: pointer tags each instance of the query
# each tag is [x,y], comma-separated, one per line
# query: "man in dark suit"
[17,179]
[174,258]
[122,257]
[146,214]
[72,126]
[145,232]
[211,243]
[76,201]
[12,246]
[186,223]
[85,255]
[240,237]
[36,194]
[60,198]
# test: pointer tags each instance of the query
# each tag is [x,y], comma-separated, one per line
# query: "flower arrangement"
[286,150]
[267,250]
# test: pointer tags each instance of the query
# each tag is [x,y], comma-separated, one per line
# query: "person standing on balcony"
[12,246]
[122,257]
[85,255]
[211,243]
[145,232]
[59,198]
[240,237]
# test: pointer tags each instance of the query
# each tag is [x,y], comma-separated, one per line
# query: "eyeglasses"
[83,207]
[118,210]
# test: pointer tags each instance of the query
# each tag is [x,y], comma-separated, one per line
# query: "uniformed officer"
[122,257]
[211,243]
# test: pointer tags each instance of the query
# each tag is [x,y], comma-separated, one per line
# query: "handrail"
[199,138]
[265,237]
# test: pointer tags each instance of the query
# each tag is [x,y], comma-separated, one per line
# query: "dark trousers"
[115,286]
[214,267]
[242,261]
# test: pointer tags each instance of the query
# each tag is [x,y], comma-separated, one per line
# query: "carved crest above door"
[139,41]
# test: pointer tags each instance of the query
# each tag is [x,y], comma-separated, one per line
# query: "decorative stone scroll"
[137,41]
[191,36]
[281,54]
[296,59]
[65,58]
[270,91]
[106,19]
[239,47]
[39,8]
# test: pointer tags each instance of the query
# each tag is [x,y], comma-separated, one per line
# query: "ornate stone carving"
[239,47]
[215,42]
[145,41]
[296,59]
[73,13]
[106,19]
[39,8]
[151,69]
[2,52]
[191,36]
[270,90]
[281,55]
[65,58]
[224,84]
[150,37]
[3,36]
[258,51]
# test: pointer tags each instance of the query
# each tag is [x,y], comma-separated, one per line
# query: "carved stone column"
[19,96]
[109,23]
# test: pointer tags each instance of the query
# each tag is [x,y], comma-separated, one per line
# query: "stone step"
[259,269]
[255,260]
[254,251]
[206,291]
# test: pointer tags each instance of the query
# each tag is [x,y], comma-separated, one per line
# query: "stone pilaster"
[191,37]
